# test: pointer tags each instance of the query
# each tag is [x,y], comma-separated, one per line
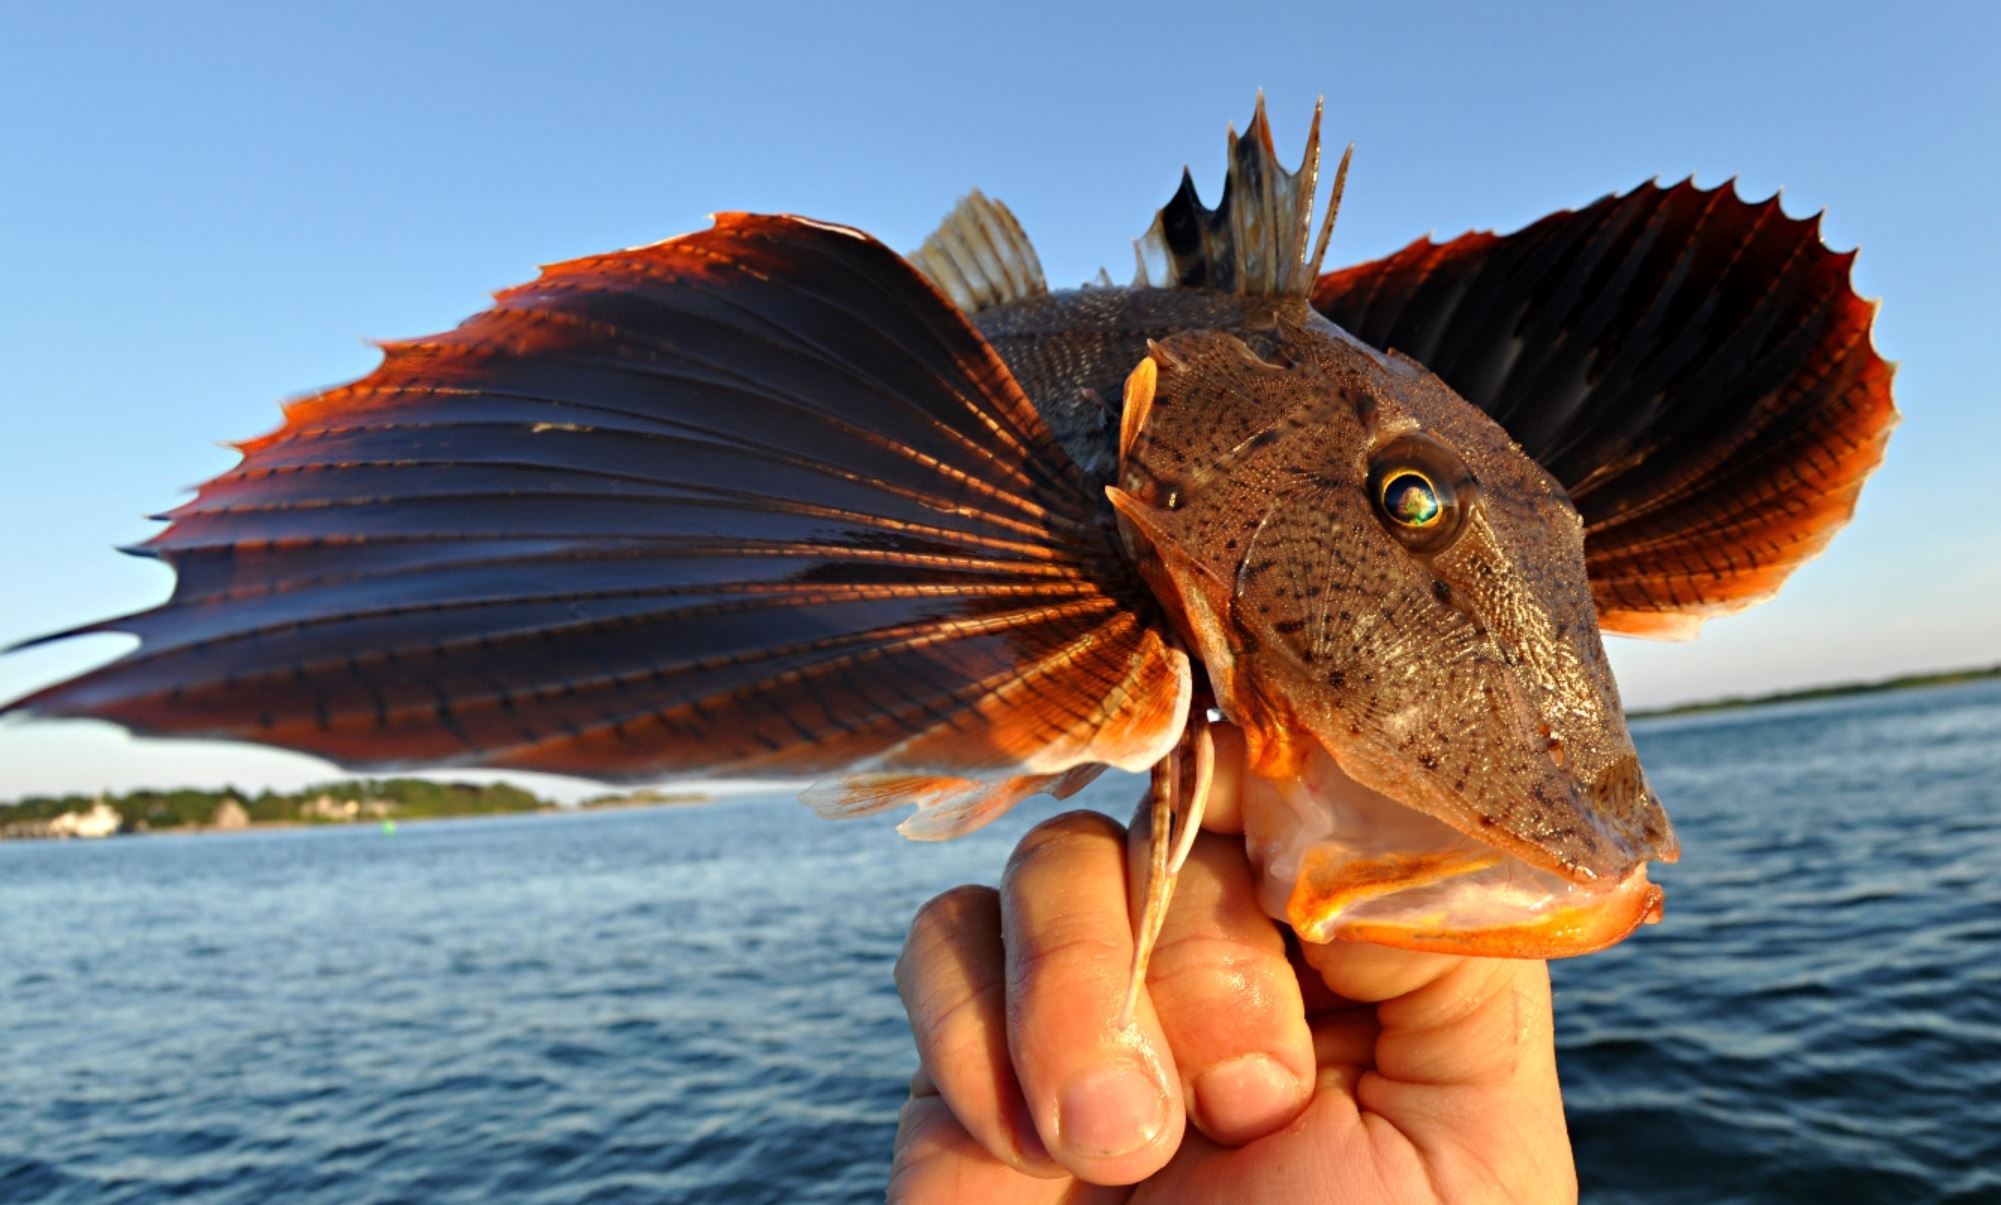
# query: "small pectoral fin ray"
[1174,807]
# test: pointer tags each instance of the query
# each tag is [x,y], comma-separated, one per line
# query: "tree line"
[404,798]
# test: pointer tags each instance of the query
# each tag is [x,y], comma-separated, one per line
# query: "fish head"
[1390,598]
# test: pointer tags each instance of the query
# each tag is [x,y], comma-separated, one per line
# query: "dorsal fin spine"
[1258,240]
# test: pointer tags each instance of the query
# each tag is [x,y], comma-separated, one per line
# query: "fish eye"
[1422,492]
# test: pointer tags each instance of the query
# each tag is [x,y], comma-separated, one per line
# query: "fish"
[772,500]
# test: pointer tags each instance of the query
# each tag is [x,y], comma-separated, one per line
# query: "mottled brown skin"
[1071,351]
[1469,682]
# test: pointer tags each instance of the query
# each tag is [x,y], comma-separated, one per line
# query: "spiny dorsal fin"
[979,256]
[1256,240]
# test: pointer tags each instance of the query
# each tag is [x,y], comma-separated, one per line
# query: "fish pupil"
[1410,500]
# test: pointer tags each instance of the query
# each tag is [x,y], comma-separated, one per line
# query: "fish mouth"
[1338,860]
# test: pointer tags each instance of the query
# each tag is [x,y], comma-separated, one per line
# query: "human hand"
[1318,1073]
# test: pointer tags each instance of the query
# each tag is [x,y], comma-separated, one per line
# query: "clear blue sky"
[204,208]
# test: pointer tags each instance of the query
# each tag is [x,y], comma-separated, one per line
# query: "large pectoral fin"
[756,501]
[1694,368]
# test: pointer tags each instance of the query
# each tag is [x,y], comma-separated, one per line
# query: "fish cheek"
[1556,738]
[1522,577]
[1351,634]
[1519,571]
[1379,656]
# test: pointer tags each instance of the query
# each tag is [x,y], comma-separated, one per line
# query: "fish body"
[771,500]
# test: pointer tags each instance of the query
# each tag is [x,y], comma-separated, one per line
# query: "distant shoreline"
[586,808]
[201,812]
[1952,677]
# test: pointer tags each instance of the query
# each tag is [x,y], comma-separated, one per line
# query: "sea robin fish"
[772,500]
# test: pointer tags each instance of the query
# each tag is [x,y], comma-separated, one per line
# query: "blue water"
[696,1003]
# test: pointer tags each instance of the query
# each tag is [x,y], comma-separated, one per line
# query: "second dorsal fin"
[980,257]
[1255,241]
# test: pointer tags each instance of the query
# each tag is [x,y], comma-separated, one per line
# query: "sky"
[207,208]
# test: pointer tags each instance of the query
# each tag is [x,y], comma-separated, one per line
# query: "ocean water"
[695,1004]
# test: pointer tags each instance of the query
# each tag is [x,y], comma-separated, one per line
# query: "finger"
[1100,1094]
[1368,974]
[937,1160]
[1229,1001]
[1466,1056]
[952,977]
[1482,1021]
[1225,810]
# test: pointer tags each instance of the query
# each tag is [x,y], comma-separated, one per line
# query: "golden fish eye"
[1422,491]
[1409,498]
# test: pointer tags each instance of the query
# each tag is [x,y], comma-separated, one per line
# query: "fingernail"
[1103,1114]
[1247,1097]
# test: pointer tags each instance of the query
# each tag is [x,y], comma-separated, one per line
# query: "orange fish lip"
[1339,861]
[1320,910]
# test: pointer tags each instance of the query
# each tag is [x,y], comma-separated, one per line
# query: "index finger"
[1105,1099]
[1229,999]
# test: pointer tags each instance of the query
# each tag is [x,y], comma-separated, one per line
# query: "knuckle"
[1063,836]
[1207,979]
[956,908]
[948,1030]
[944,921]
[1211,958]
[1064,952]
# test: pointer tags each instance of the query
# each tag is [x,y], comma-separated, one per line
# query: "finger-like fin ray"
[1175,817]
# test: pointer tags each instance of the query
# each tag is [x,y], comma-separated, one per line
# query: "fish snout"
[1620,797]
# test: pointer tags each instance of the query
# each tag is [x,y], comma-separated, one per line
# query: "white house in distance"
[100,821]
